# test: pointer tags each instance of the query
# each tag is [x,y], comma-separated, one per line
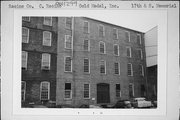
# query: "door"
[103,93]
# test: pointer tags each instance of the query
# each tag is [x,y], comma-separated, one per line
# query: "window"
[24,59]
[129,69]
[68,62]
[47,38]
[46,60]
[68,42]
[86,65]
[26,19]
[23,90]
[118,90]
[139,39]
[25,35]
[48,21]
[140,54]
[86,45]
[116,50]
[116,68]
[86,27]
[127,36]
[131,90]
[102,66]
[101,31]
[102,47]
[128,52]
[44,90]
[115,33]
[86,91]
[141,70]
[69,22]
[68,92]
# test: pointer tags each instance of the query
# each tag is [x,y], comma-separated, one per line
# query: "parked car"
[141,103]
[122,104]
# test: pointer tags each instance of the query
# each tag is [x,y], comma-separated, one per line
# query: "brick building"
[98,62]
[79,60]
[39,58]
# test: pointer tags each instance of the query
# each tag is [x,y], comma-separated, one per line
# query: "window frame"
[88,65]
[88,31]
[29,19]
[140,41]
[66,43]
[26,53]
[88,90]
[27,41]
[104,47]
[24,91]
[44,38]
[131,69]
[129,40]
[117,49]
[104,67]
[66,23]
[65,63]
[44,23]
[129,51]
[42,60]
[67,90]
[116,32]
[119,90]
[118,68]
[103,30]
[132,88]
[88,45]
[142,70]
[141,53]
[48,90]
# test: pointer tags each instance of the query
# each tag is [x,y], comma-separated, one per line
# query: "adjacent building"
[39,59]
[151,39]
[80,60]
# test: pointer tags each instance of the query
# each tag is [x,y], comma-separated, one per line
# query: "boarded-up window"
[68,64]
[141,70]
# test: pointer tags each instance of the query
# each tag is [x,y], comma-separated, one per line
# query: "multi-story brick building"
[79,60]
[98,62]
[39,58]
